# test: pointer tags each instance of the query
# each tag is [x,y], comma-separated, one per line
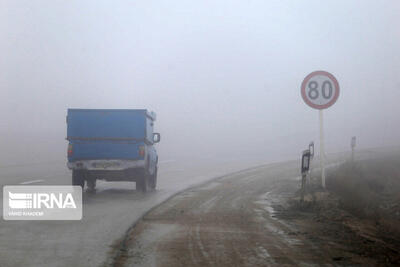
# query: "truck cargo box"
[108,133]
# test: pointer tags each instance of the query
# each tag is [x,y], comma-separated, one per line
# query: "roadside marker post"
[311,149]
[353,146]
[320,90]
[305,166]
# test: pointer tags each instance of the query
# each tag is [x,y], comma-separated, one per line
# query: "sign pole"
[321,146]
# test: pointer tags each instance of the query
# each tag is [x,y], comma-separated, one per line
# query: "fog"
[223,76]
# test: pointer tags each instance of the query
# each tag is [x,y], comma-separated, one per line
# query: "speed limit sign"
[320,89]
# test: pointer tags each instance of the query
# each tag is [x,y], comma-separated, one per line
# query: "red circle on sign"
[305,82]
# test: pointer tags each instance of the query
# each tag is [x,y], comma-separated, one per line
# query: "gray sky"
[223,76]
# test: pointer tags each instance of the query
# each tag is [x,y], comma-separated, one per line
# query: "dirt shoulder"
[358,214]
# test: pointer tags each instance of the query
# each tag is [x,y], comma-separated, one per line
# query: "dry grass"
[368,189]
[359,213]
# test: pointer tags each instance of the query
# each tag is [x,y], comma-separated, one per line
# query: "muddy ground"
[253,218]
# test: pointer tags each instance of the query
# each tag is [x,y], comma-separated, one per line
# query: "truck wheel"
[91,184]
[77,178]
[153,180]
[142,184]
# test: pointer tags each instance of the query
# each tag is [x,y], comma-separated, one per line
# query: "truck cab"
[112,145]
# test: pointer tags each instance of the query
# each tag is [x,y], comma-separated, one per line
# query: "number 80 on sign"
[320,89]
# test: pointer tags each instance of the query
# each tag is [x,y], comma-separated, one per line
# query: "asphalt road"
[106,215]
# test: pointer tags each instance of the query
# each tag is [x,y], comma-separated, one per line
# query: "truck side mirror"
[156,137]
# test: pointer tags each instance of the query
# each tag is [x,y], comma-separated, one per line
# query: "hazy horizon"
[223,76]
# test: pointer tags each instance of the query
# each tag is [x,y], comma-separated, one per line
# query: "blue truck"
[112,145]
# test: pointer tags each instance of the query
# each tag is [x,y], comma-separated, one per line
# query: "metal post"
[321,146]
[303,186]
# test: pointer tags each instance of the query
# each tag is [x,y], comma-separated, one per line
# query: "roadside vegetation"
[358,215]
[369,189]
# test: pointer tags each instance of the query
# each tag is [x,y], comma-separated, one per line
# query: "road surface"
[106,215]
[228,222]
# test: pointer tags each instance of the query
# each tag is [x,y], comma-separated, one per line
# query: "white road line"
[32,182]
[167,161]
